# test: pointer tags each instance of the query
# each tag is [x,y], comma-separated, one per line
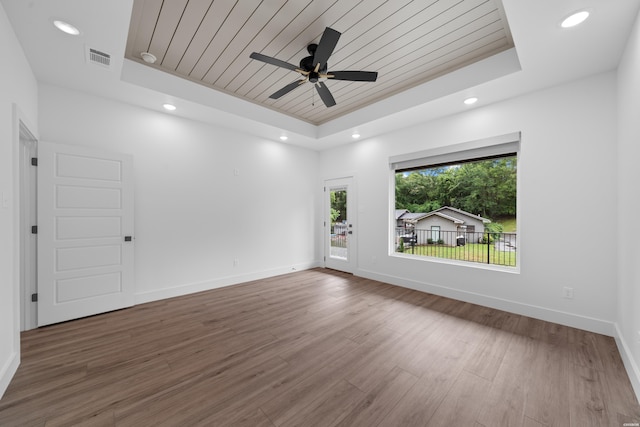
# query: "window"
[458,203]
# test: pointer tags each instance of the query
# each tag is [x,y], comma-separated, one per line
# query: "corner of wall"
[8,371]
[630,365]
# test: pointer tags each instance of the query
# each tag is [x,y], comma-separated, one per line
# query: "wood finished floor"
[316,348]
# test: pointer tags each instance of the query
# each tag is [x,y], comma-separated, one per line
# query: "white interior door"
[85,232]
[340,226]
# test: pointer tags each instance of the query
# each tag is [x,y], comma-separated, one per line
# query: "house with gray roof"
[399,214]
[445,224]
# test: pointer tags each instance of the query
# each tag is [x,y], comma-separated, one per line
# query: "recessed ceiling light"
[470,101]
[65,27]
[355,135]
[148,57]
[575,19]
[169,107]
[284,138]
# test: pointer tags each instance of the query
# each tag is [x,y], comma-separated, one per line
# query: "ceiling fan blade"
[288,88]
[273,61]
[327,43]
[325,94]
[354,76]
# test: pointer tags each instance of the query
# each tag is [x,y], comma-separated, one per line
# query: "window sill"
[467,264]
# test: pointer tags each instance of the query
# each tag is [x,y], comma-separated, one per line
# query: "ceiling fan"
[314,67]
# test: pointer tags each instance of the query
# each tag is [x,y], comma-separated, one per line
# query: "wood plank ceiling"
[406,42]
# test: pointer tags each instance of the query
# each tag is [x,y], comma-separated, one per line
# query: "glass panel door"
[339,225]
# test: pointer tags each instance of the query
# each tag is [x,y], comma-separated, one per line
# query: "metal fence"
[339,235]
[481,247]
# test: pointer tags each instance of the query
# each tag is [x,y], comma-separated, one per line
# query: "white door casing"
[28,240]
[85,210]
[340,242]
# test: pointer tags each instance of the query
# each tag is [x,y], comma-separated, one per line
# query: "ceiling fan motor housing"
[307,64]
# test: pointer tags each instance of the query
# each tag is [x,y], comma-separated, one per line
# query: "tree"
[417,191]
[338,200]
[485,187]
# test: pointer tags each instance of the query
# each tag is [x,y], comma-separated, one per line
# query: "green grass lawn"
[473,252]
[508,224]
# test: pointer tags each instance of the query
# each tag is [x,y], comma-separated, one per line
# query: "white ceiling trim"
[488,69]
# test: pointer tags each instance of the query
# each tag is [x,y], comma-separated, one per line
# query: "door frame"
[350,264]
[28,148]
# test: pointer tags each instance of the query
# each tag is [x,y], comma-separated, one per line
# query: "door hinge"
[34,229]
[34,297]
[34,161]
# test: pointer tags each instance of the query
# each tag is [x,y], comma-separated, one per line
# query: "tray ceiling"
[406,42]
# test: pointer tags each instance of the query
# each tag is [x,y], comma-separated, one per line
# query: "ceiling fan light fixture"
[574,19]
[65,27]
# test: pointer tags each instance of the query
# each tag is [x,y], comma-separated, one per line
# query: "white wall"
[628,315]
[567,181]
[18,93]
[193,215]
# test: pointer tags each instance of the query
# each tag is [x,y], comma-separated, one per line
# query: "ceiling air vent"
[99,58]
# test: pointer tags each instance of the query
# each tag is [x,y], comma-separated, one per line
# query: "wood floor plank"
[247,417]
[442,367]
[376,364]
[100,419]
[488,355]
[291,401]
[546,388]
[256,394]
[463,402]
[198,399]
[588,407]
[378,402]
[316,347]
[528,422]
[506,399]
[583,350]
[618,394]
[329,408]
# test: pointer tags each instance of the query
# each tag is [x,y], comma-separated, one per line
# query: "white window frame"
[498,146]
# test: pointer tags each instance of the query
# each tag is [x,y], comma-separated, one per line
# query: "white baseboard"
[190,288]
[568,319]
[630,365]
[8,371]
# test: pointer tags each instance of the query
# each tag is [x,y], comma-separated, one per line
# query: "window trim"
[481,149]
